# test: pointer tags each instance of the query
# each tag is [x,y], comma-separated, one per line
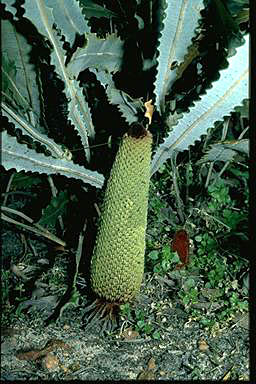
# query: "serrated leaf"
[125,103]
[104,77]
[244,109]
[79,112]
[225,94]
[19,77]
[28,129]
[21,158]
[127,106]
[225,151]
[92,9]
[68,17]
[9,6]
[173,118]
[56,208]
[180,20]
[237,145]
[103,54]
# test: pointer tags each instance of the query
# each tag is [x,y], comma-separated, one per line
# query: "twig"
[230,161]
[209,175]
[214,218]
[8,188]
[223,136]
[97,209]
[31,221]
[40,232]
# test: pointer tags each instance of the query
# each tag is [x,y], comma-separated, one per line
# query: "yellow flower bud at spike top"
[117,264]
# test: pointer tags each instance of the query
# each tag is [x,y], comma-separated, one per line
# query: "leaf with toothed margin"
[79,113]
[103,54]
[180,19]
[104,77]
[127,106]
[34,132]
[20,86]
[226,93]
[21,158]
[225,151]
[91,9]
[9,6]
[69,18]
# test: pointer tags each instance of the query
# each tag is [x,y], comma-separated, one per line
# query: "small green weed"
[138,318]
[222,207]
[210,287]
[163,260]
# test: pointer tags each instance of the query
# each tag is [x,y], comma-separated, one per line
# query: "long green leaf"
[68,17]
[21,158]
[103,54]
[225,151]
[56,207]
[79,113]
[9,6]
[226,93]
[28,129]
[127,106]
[92,9]
[19,77]
[179,22]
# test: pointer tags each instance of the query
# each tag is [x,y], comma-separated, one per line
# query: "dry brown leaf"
[149,110]
[151,363]
[50,346]
[227,375]
[146,375]
[129,334]
[30,355]
[203,346]
[50,362]
[59,248]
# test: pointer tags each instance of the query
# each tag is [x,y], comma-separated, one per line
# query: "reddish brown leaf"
[180,244]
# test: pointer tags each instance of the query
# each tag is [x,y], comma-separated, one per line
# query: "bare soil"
[66,351]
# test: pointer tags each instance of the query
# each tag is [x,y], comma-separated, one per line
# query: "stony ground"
[185,350]
[65,350]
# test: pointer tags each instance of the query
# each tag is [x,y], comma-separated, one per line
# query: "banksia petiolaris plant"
[189,89]
[118,259]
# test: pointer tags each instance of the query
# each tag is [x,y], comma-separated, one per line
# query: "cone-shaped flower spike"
[118,259]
